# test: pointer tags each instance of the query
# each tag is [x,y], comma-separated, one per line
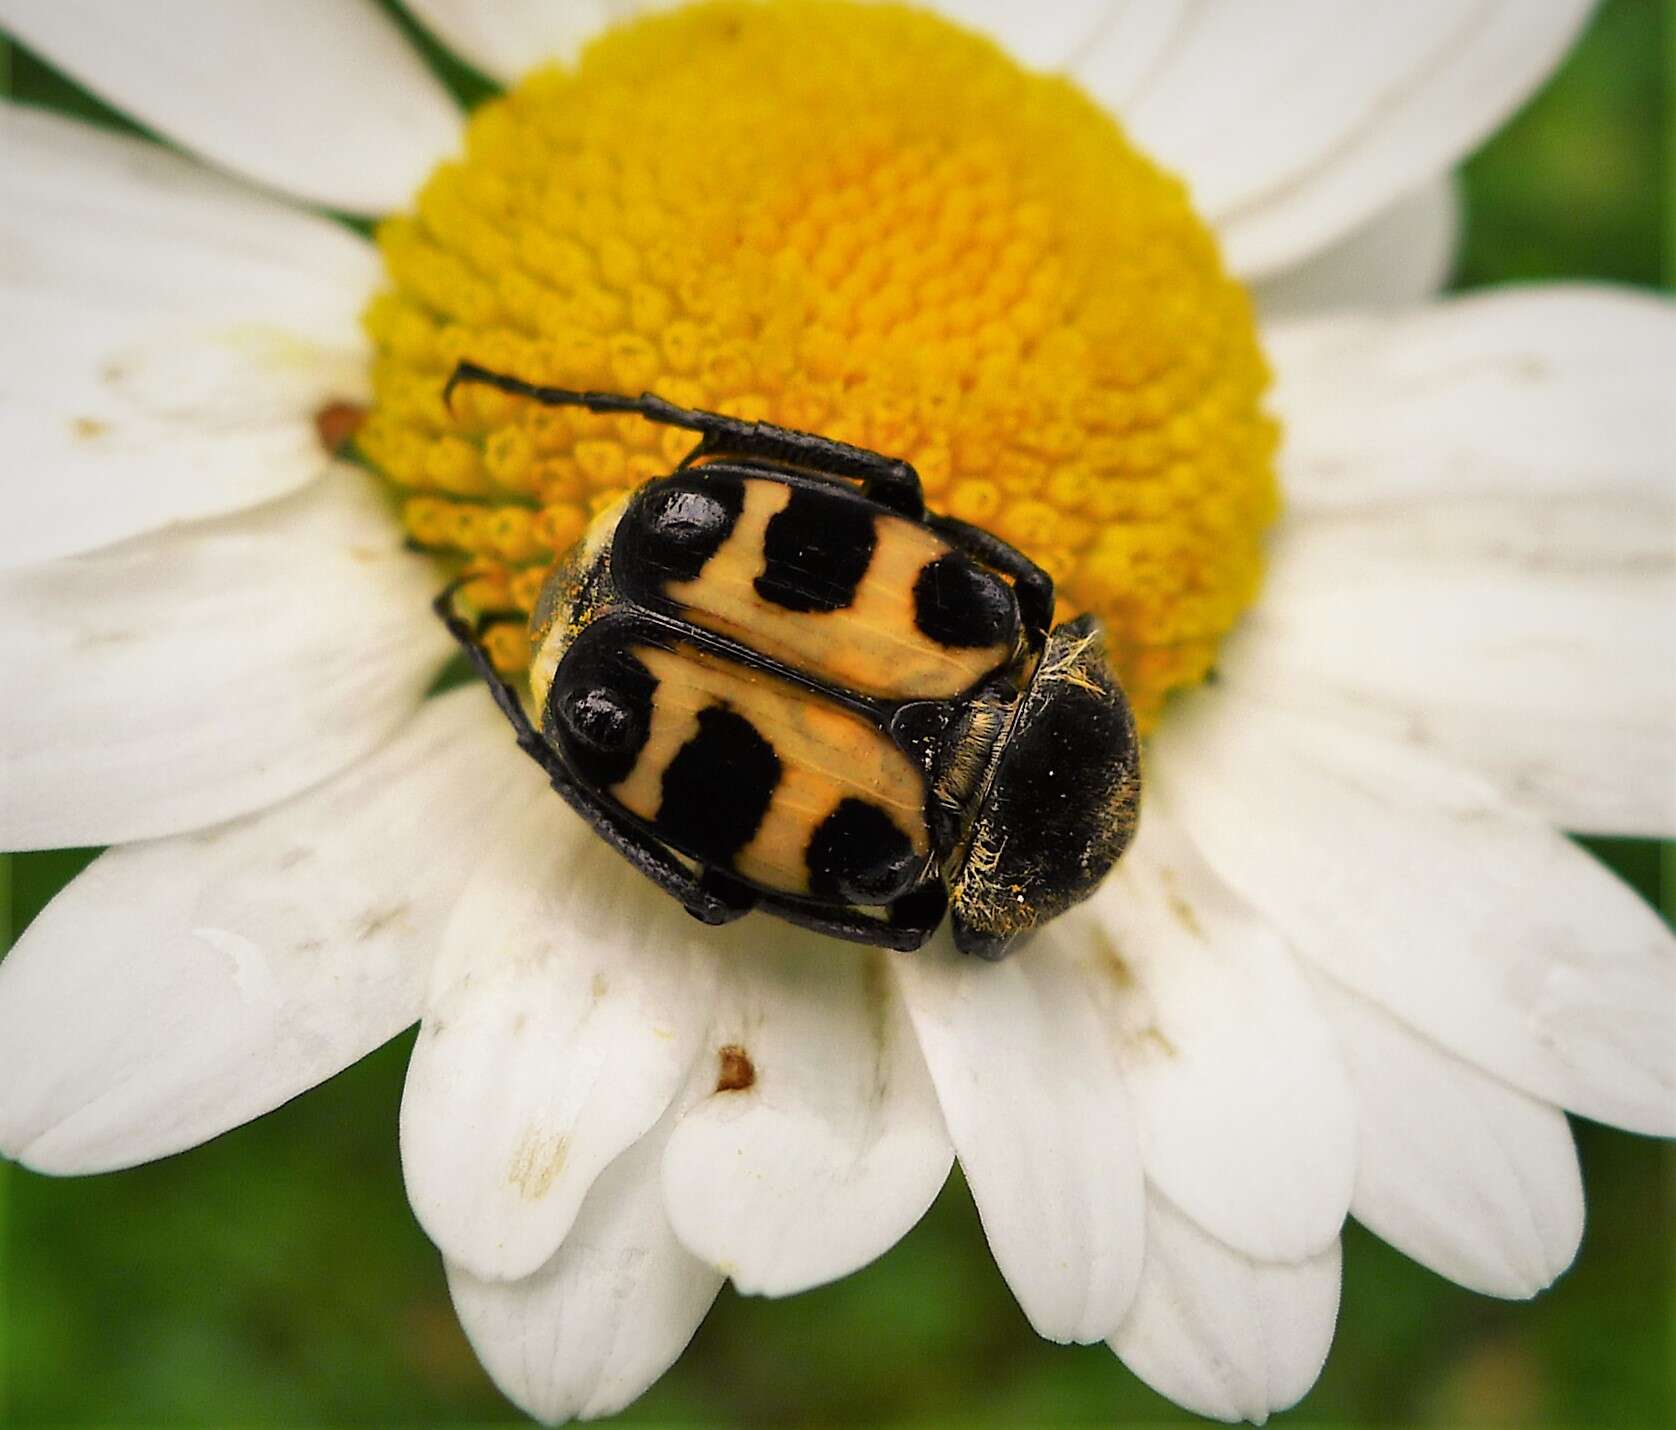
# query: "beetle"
[772,679]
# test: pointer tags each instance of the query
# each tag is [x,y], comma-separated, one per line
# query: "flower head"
[912,245]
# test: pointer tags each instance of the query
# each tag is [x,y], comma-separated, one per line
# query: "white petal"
[322,99]
[179,988]
[1139,39]
[504,38]
[1242,1106]
[835,1148]
[1293,122]
[1445,629]
[1223,1335]
[1399,256]
[1414,884]
[564,1012]
[1552,389]
[1043,36]
[1036,1106]
[172,374]
[192,675]
[590,1331]
[1481,550]
[1456,1170]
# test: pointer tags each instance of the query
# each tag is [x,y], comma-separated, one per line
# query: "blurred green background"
[276,1277]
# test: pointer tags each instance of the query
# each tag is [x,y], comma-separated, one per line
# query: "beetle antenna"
[886,480]
[653,408]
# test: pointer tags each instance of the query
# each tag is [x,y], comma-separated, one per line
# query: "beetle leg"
[707,904]
[1034,585]
[886,480]
[735,893]
[911,920]
[991,947]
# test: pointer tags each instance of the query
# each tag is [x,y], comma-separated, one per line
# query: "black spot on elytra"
[958,603]
[816,550]
[599,710]
[674,526]
[600,719]
[718,787]
[859,856]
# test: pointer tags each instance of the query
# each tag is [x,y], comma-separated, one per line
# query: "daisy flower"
[1350,967]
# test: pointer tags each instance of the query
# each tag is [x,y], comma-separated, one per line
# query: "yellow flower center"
[856,220]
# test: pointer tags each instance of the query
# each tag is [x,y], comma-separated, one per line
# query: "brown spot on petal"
[375,921]
[98,640]
[737,1071]
[1180,907]
[337,423]
[1151,1042]
[88,429]
[1112,961]
[537,1162]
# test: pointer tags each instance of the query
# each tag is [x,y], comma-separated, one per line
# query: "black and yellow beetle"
[773,680]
